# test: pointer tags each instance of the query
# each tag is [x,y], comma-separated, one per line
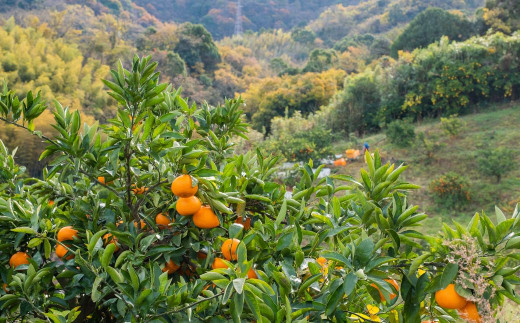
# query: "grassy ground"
[498,127]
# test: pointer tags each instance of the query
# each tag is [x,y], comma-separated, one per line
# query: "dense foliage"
[443,79]
[429,26]
[82,243]
[502,15]
[270,97]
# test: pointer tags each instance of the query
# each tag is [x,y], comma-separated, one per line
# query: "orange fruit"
[470,313]
[392,295]
[218,263]
[229,249]
[162,221]
[19,258]
[101,179]
[246,223]
[108,238]
[139,190]
[322,261]
[182,186]
[170,267]
[61,251]
[251,273]
[67,233]
[188,205]
[202,255]
[51,203]
[449,298]
[205,218]
[4,286]
[143,224]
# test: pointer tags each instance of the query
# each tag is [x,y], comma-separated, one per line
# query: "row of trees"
[443,79]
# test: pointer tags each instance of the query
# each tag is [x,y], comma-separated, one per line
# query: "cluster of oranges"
[448,298]
[188,204]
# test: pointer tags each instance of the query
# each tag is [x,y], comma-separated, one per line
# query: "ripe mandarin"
[251,273]
[470,313]
[162,221]
[19,258]
[246,223]
[188,205]
[170,267]
[449,298]
[229,249]
[67,233]
[205,218]
[61,251]
[218,263]
[182,186]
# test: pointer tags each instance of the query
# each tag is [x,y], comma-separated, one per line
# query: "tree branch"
[98,182]
[187,306]
[31,131]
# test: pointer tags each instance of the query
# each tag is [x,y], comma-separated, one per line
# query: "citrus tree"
[153,218]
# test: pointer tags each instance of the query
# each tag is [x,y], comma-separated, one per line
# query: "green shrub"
[496,162]
[400,133]
[451,190]
[428,146]
[298,138]
[452,125]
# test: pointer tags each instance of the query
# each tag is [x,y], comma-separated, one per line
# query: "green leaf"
[47,247]
[337,257]
[144,294]
[238,284]
[24,230]
[417,262]
[96,295]
[253,304]
[227,293]
[34,242]
[211,275]
[282,213]
[500,215]
[448,275]
[122,257]
[107,254]
[94,240]
[311,280]
[350,283]
[114,274]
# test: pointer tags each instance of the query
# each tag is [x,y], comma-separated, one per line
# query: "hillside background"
[318,77]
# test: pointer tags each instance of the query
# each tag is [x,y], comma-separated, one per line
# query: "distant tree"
[452,125]
[307,92]
[320,60]
[354,41]
[496,162]
[196,47]
[303,36]
[400,133]
[502,15]
[380,47]
[429,26]
[278,65]
[355,108]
